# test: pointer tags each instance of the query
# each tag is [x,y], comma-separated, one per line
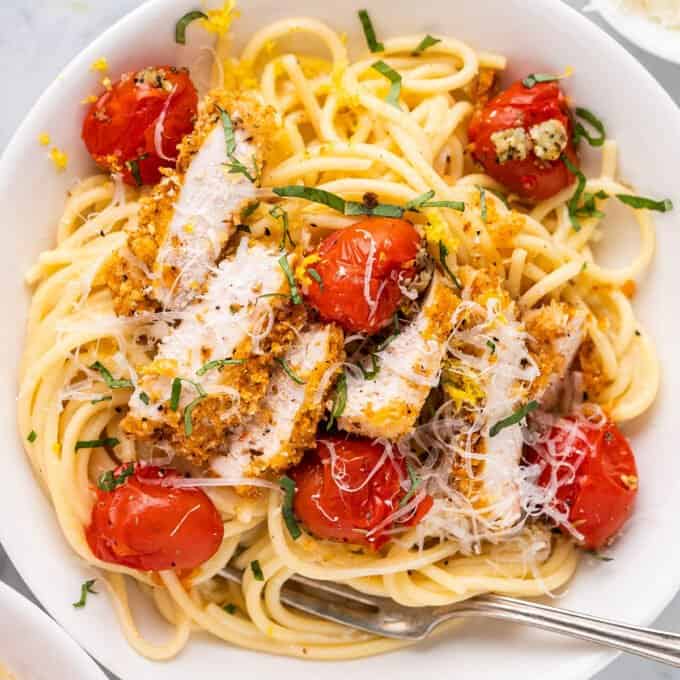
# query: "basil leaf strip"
[513,419]
[181,25]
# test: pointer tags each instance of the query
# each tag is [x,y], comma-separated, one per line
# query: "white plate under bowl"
[646,33]
[34,647]
[536,36]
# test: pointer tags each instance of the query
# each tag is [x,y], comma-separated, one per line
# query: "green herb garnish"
[235,166]
[243,227]
[369,32]
[133,167]
[379,209]
[111,382]
[229,608]
[288,487]
[572,204]
[425,43]
[581,132]
[443,254]
[144,398]
[108,481]
[482,204]
[416,481]
[386,70]
[599,556]
[221,363]
[513,419]
[32,436]
[534,78]
[316,276]
[107,397]
[339,400]
[257,570]
[249,210]
[491,345]
[642,203]
[294,293]
[375,368]
[86,589]
[181,25]
[278,213]
[423,201]
[289,371]
[94,443]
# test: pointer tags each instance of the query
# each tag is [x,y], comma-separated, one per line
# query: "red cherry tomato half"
[600,497]
[147,524]
[344,497]
[134,127]
[359,270]
[523,107]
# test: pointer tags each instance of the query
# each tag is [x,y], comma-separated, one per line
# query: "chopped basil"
[249,210]
[316,276]
[375,368]
[181,25]
[133,167]
[581,132]
[425,43]
[294,293]
[423,201]
[289,371]
[221,363]
[32,436]
[395,88]
[416,481]
[572,204]
[107,397]
[175,392]
[243,227]
[599,556]
[642,203]
[513,419]
[482,204]
[369,32]
[288,487]
[534,78]
[108,481]
[443,254]
[589,207]
[237,167]
[188,410]
[111,382]
[94,443]
[338,203]
[229,608]
[491,345]
[228,128]
[86,589]
[278,213]
[257,570]
[339,401]
[144,398]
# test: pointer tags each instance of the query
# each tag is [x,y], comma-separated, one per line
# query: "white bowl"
[34,647]
[536,36]
[646,33]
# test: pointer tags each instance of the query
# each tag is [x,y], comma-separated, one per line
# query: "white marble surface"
[38,37]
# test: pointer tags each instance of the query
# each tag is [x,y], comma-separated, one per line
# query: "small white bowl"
[34,647]
[644,32]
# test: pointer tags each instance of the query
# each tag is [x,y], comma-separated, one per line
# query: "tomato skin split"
[148,524]
[521,108]
[135,126]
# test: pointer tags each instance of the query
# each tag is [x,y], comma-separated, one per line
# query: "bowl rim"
[11,157]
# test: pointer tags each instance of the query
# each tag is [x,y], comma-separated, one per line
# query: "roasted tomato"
[345,491]
[519,137]
[145,523]
[599,499]
[134,127]
[358,272]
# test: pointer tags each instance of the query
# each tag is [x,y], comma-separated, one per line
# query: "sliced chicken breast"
[286,421]
[389,405]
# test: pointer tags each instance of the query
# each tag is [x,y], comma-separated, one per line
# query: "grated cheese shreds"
[286,421]
[232,321]
[388,405]
[192,213]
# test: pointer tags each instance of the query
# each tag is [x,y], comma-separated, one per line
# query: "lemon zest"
[219,20]
[59,158]
[44,138]
[100,64]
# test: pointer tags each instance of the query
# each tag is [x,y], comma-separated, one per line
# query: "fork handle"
[651,644]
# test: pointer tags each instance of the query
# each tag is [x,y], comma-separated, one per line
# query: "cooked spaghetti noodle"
[337,133]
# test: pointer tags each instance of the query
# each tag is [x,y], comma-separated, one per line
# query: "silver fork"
[382,616]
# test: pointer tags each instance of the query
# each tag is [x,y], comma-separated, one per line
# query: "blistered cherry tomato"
[520,137]
[600,498]
[359,270]
[135,126]
[146,523]
[347,496]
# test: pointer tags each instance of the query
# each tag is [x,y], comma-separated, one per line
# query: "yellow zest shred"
[100,64]
[106,83]
[438,231]
[56,447]
[59,158]
[44,138]
[301,270]
[90,99]
[219,20]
